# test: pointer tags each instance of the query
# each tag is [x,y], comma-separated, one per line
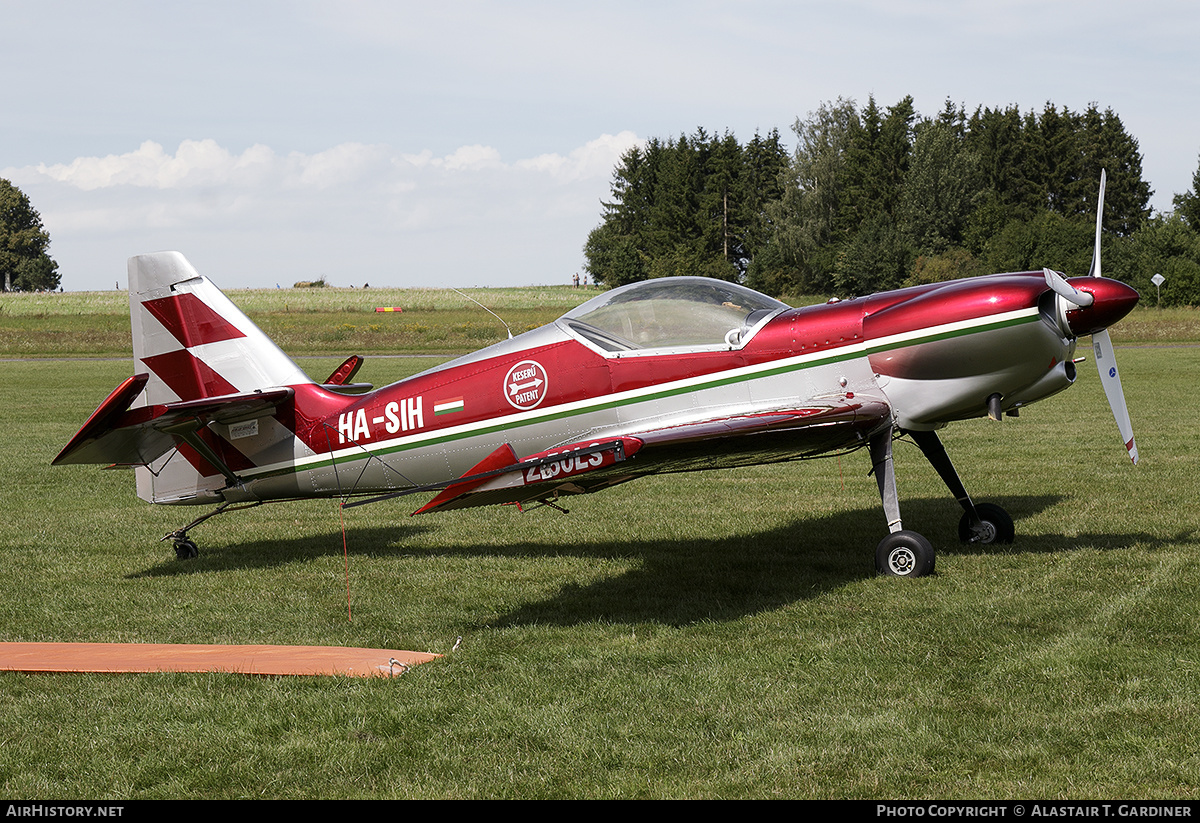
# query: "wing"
[116,434]
[736,440]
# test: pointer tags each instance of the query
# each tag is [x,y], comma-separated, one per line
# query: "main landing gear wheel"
[904,554]
[997,526]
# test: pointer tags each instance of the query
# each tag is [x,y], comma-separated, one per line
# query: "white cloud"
[204,163]
[341,165]
[595,159]
[385,215]
[196,162]
[472,158]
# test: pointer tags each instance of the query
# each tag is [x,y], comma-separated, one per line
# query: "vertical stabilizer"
[192,340]
[194,343]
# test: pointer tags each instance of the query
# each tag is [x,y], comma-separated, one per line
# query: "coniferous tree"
[879,197]
[696,205]
[1112,148]
[940,189]
[1187,204]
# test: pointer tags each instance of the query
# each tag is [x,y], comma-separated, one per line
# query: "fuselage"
[933,354]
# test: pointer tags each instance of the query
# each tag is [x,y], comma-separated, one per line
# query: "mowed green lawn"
[710,635]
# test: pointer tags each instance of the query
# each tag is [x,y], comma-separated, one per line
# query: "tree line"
[696,205]
[874,198]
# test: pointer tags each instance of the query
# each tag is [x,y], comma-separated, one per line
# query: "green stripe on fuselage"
[742,375]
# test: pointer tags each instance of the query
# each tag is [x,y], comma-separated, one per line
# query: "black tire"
[997,526]
[904,554]
[185,549]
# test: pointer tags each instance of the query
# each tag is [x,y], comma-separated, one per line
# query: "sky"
[472,143]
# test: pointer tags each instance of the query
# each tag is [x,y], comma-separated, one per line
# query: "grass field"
[301,321]
[719,635]
[335,320]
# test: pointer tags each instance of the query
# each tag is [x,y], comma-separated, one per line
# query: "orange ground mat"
[178,657]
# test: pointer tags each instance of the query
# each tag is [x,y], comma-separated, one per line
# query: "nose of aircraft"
[1113,300]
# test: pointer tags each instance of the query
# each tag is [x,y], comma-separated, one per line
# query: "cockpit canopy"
[671,313]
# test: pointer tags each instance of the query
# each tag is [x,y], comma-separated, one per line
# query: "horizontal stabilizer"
[116,433]
[103,423]
[344,373]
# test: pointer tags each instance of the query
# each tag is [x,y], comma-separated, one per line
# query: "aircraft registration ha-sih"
[669,375]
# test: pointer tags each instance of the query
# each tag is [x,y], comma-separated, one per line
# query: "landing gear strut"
[902,553]
[905,553]
[983,523]
[185,547]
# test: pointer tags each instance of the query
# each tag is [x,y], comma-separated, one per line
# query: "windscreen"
[672,312]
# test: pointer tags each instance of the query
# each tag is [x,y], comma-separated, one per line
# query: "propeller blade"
[1095,271]
[1106,363]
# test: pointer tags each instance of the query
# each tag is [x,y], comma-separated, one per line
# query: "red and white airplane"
[669,375]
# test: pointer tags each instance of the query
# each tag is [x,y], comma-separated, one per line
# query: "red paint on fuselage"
[927,307]
[576,372]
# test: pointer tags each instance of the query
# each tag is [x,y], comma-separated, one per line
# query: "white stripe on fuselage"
[632,396]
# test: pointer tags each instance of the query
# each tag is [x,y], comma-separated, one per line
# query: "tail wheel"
[904,554]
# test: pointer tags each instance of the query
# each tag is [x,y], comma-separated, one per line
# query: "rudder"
[194,343]
[192,340]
